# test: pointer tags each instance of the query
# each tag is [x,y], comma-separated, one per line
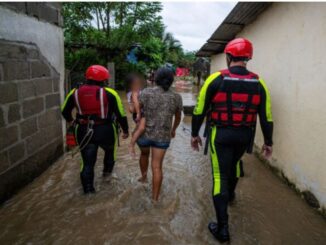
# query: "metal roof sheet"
[241,15]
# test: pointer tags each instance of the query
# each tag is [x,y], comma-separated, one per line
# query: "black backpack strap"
[246,112]
[229,106]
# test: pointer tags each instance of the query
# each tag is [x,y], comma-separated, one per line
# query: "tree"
[98,32]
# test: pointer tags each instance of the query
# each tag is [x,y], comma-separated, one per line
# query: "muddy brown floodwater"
[53,210]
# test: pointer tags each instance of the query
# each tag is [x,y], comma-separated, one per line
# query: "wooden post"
[111,69]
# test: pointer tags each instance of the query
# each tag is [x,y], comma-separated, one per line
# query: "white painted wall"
[218,62]
[290,54]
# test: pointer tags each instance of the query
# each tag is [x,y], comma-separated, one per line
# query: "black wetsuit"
[105,135]
[229,143]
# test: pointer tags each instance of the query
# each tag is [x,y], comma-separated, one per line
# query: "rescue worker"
[231,99]
[97,108]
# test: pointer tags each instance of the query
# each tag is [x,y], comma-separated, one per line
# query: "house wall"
[289,54]
[31,86]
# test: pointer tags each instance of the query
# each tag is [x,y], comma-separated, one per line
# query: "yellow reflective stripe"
[238,169]
[202,94]
[76,128]
[82,161]
[119,102]
[268,101]
[81,165]
[115,142]
[215,165]
[67,98]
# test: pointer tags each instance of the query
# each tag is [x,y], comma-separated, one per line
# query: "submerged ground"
[53,210]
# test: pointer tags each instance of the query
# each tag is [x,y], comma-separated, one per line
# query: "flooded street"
[53,210]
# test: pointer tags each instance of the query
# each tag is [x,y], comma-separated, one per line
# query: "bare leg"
[143,163]
[157,160]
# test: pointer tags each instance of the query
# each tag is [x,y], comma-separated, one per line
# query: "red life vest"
[237,100]
[91,100]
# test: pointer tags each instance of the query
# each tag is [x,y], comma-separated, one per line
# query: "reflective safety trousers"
[227,145]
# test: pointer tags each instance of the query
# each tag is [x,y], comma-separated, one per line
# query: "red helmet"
[239,47]
[97,73]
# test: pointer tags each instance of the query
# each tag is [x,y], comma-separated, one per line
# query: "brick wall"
[30,120]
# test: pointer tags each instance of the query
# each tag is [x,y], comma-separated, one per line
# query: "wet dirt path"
[52,209]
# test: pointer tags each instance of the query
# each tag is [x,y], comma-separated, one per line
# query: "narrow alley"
[53,210]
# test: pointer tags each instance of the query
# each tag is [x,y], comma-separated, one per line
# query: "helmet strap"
[228,60]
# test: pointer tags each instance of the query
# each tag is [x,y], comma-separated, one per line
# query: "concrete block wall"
[46,11]
[30,91]
[30,120]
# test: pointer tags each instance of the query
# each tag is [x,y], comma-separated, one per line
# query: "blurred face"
[137,84]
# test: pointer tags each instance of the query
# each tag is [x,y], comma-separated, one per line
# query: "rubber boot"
[106,173]
[89,189]
[220,232]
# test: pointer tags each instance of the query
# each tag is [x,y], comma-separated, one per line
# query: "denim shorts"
[144,142]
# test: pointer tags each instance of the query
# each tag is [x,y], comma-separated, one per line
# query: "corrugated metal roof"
[241,15]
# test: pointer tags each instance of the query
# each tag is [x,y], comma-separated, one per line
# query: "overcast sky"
[192,23]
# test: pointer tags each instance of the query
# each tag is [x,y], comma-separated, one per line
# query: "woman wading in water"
[156,128]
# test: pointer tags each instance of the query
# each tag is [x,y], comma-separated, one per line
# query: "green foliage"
[187,59]
[101,32]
